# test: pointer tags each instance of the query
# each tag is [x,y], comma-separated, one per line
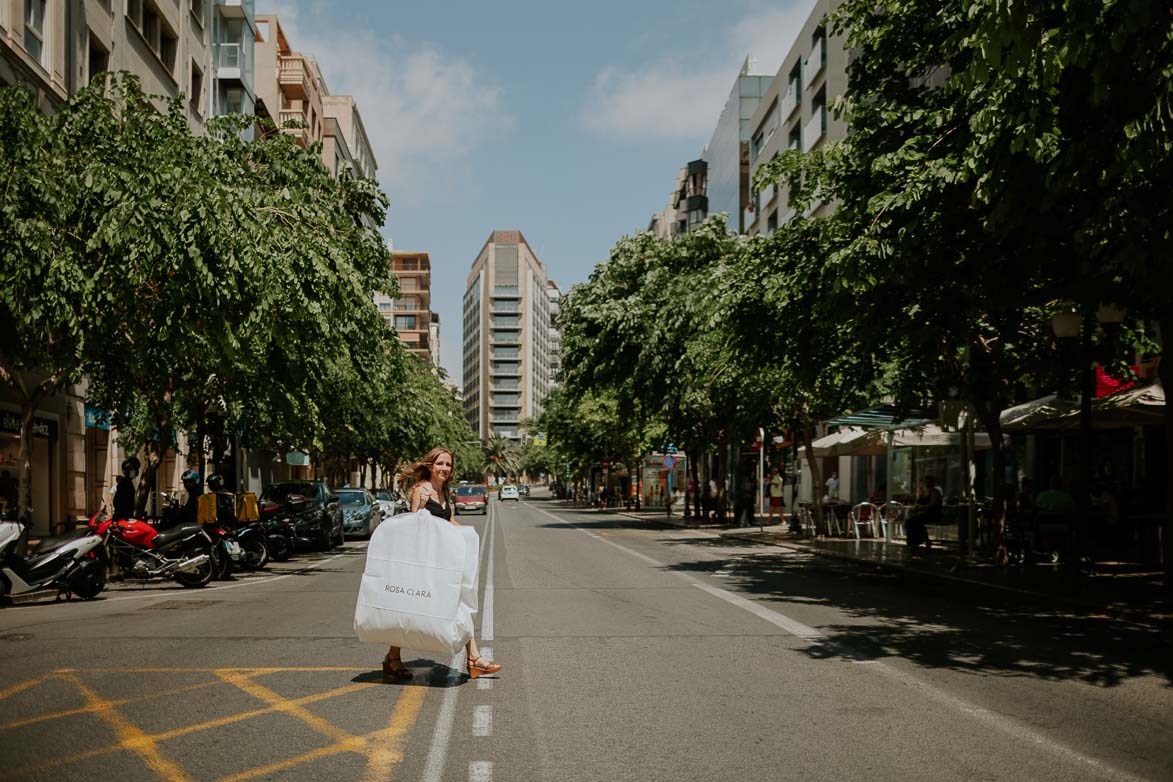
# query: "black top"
[124,499]
[436,509]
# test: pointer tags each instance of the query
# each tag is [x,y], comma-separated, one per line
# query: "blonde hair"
[421,469]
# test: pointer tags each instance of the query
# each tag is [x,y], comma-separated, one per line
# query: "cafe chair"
[865,514]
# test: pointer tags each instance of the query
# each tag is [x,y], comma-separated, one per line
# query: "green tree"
[48,298]
[500,458]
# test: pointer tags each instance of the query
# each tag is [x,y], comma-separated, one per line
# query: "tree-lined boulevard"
[632,651]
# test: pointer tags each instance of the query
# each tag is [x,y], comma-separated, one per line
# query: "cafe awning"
[1136,406]
[873,442]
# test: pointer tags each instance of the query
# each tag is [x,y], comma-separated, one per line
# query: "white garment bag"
[419,588]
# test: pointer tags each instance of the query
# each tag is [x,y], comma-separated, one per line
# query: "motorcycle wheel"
[223,560]
[89,579]
[199,577]
[325,539]
[279,548]
[254,554]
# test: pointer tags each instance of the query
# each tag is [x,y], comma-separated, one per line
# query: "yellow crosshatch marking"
[383,748]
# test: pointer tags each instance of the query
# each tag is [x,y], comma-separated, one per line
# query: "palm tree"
[501,457]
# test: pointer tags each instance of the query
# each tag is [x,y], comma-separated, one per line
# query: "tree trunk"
[808,437]
[156,451]
[24,461]
[991,418]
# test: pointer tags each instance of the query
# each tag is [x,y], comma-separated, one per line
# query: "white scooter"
[72,564]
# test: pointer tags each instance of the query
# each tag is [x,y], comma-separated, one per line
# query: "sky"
[568,121]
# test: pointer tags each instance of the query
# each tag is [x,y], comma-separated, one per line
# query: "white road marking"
[482,721]
[1013,728]
[438,753]
[480,771]
[486,682]
[757,609]
[487,610]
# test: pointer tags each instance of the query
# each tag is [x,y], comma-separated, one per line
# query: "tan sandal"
[479,666]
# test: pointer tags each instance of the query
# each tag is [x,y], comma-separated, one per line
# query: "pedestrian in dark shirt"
[124,494]
[928,511]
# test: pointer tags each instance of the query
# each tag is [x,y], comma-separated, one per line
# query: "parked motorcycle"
[277,521]
[71,564]
[183,553]
[253,540]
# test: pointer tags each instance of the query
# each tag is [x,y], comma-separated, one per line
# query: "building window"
[405,321]
[34,30]
[98,60]
[197,87]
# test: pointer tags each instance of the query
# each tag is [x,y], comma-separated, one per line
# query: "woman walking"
[432,474]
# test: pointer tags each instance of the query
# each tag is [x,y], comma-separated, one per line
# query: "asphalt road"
[630,652]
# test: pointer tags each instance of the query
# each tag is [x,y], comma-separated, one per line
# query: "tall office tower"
[410,314]
[507,344]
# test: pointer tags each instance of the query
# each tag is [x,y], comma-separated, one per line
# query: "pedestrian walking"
[777,486]
[432,475]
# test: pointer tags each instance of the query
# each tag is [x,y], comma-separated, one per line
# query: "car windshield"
[383,494]
[470,491]
[351,497]
[280,492]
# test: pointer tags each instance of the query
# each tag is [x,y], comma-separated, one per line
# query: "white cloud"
[670,99]
[424,111]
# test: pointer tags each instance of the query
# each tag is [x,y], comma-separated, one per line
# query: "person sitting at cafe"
[928,511]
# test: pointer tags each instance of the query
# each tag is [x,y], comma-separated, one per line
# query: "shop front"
[44,477]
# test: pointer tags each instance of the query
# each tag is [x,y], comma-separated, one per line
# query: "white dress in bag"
[419,588]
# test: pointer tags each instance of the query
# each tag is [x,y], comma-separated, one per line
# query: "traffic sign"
[669,462]
[540,440]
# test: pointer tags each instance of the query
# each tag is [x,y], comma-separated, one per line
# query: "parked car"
[509,492]
[318,517]
[523,488]
[472,498]
[391,502]
[360,513]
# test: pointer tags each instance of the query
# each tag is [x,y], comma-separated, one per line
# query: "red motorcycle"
[184,553]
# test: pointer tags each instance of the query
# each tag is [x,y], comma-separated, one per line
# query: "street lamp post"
[1069,323]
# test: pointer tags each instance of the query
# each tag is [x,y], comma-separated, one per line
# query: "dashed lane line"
[482,720]
[480,771]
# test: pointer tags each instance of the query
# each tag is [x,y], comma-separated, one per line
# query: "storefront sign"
[42,427]
[97,419]
[297,459]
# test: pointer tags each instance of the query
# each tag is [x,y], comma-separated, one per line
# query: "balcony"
[789,101]
[814,64]
[236,9]
[813,132]
[300,134]
[505,292]
[749,217]
[696,202]
[232,61]
[294,77]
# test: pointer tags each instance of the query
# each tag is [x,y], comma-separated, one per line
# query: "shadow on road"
[424,673]
[938,625]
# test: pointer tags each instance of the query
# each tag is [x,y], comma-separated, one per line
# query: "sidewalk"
[1114,589]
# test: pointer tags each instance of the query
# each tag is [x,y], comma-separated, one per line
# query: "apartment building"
[292,92]
[717,182]
[507,336]
[554,353]
[411,315]
[55,48]
[794,113]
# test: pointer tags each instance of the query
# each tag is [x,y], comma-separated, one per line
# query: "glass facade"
[728,150]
